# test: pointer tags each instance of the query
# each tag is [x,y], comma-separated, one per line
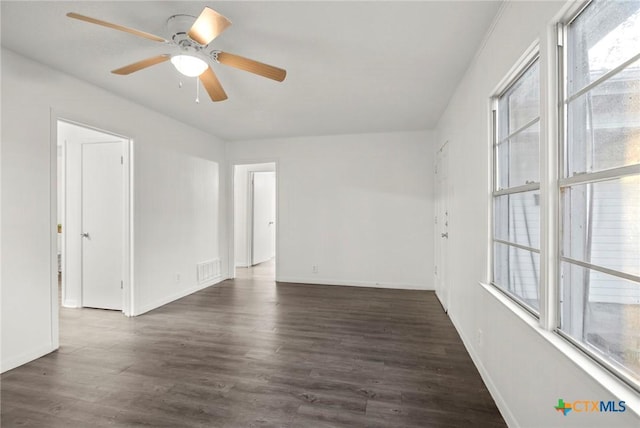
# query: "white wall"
[359,207]
[177,184]
[525,371]
[181,227]
[241,216]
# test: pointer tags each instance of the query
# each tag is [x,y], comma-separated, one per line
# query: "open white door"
[442,225]
[102,225]
[264,221]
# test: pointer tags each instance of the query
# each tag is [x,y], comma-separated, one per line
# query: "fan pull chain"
[197,92]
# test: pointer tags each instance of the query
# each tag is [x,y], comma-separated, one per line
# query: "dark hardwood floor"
[252,353]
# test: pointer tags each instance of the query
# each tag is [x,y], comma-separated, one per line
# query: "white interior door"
[102,225]
[442,225]
[264,220]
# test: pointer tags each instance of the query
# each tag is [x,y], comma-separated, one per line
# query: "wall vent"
[208,271]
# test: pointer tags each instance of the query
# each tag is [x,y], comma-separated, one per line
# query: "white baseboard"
[351,283]
[173,297]
[18,360]
[506,413]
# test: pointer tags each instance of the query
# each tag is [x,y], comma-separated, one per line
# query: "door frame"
[231,185]
[128,288]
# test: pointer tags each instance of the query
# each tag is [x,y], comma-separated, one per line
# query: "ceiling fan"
[190,41]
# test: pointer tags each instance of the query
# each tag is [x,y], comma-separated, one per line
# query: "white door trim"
[128,292]
[249,218]
[53,228]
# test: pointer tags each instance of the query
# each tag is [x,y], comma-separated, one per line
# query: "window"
[591,194]
[599,185]
[516,190]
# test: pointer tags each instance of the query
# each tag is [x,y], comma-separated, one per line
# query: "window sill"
[594,370]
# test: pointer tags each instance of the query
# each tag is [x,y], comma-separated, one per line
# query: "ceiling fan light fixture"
[189,65]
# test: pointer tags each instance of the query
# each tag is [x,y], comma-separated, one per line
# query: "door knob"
[445,235]
[85,235]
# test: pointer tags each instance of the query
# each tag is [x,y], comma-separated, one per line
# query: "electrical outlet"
[177,276]
[479,338]
[314,268]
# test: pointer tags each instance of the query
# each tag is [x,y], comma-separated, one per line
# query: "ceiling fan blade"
[137,66]
[209,25]
[212,85]
[252,66]
[116,27]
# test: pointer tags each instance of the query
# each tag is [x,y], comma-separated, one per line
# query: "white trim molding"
[355,283]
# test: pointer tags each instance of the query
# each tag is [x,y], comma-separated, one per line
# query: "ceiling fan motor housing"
[179,26]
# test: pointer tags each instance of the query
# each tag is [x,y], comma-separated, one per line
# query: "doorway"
[442,225]
[255,220]
[93,218]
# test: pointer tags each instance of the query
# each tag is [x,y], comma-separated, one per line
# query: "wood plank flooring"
[253,353]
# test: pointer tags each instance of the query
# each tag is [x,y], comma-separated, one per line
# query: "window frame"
[523,65]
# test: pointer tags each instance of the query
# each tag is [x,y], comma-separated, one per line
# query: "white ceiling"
[352,67]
